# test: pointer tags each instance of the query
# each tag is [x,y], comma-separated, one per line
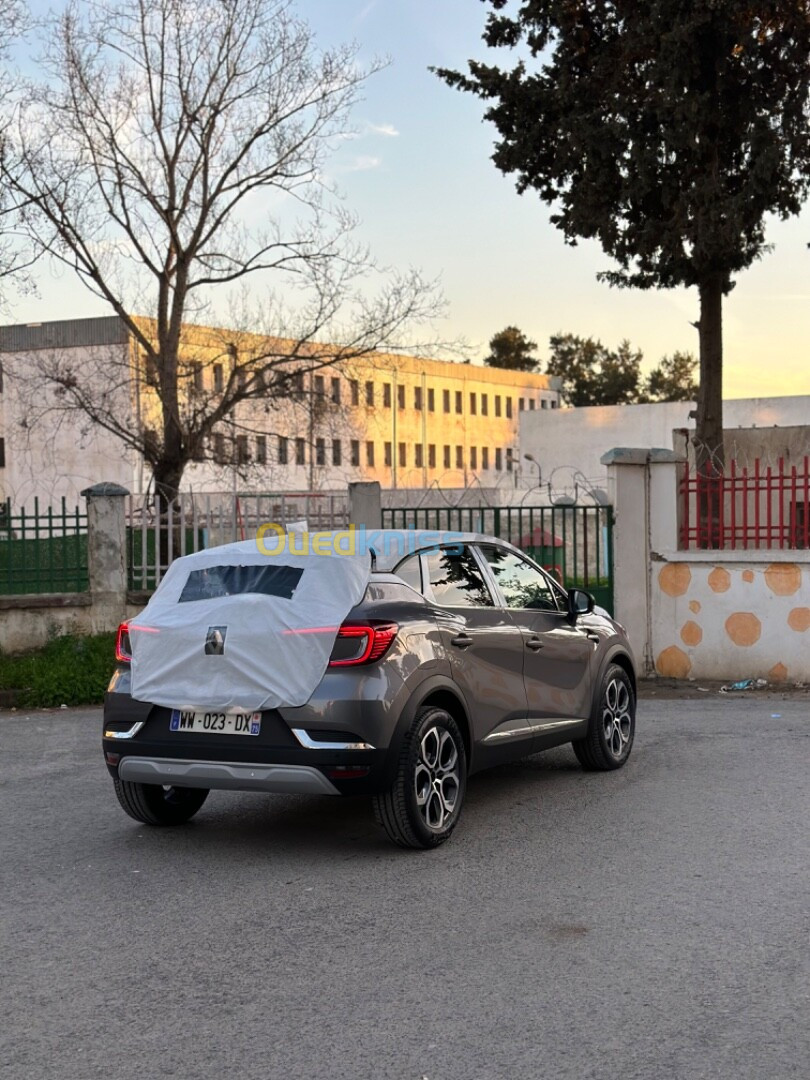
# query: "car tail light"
[362,644]
[123,649]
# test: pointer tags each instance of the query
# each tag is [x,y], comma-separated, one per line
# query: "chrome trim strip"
[312,744]
[130,734]
[531,729]
[227,776]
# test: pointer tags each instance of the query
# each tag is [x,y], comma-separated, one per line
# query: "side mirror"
[579,603]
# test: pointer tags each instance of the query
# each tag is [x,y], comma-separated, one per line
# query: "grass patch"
[67,671]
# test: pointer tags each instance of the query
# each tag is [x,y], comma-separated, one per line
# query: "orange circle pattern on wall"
[694,606]
[748,575]
[673,663]
[674,578]
[719,579]
[783,579]
[799,619]
[744,628]
[778,673]
[691,634]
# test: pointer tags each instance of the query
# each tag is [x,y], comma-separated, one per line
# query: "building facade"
[407,422]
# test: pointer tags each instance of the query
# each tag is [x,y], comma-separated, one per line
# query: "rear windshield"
[215,581]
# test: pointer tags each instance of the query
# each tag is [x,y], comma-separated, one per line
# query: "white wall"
[568,441]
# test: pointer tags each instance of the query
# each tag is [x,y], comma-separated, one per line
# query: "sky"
[420,178]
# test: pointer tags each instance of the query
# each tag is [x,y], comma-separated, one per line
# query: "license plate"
[216,723]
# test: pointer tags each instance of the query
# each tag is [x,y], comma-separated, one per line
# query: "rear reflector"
[362,644]
[112,759]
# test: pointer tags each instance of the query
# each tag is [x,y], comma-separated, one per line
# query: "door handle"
[534,643]
[462,641]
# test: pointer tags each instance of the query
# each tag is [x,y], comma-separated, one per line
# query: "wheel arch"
[443,693]
[616,655]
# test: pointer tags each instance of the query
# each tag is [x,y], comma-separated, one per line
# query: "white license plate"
[216,723]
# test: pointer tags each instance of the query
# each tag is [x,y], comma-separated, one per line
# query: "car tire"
[156,805]
[612,726]
[423,805]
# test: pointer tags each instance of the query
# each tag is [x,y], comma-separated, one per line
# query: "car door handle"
[462,641]
[534,643]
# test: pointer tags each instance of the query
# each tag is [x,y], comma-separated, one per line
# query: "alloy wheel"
[617,721]
[437,778]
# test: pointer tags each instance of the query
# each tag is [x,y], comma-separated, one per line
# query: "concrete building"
[404,421]
[568,445]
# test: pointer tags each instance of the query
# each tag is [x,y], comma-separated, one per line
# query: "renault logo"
[215,640]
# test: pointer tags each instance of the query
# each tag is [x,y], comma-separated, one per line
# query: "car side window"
[456,579]
[410,570]
[522,585]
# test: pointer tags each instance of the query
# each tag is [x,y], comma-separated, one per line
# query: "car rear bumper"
[227,775]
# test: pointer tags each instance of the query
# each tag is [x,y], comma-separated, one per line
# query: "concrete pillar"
[107,553]
[643,487]
[365,504]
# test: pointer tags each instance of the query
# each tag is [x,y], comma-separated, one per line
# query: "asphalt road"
[650,923]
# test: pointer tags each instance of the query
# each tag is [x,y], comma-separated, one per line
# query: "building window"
[473,404]
[417,397]
[417,456]
[197,376]
[508,408]
[218,379]
[318,385]
[459,457]
[447,457]
[233,352]
[473,457]
[509,459]
[497,404]
[403,455]
[498,459]
[446,400]
[370,394]
[354,389]
[320,451]
[298,383]
[531,404]
[522,405]
[220,449]
[370,454]
[300,452]
[1,378]
[336,391]
[432,456]
[459,402]
[400,397]
[431,399]
[2,453]
[241,377]
[151,370]
[543,403]
[389,460]
[242,450]
[485,405]
[555,404]
[387,395]
[337,452]
[283,450]
[261,450]
[484,458]
[355,453]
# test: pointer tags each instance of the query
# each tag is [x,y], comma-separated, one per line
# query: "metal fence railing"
[158,531]
[746,508]
[42,550]
[574,543]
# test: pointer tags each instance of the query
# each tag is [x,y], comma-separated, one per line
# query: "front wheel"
[612,727]
[422,806]
[156,805]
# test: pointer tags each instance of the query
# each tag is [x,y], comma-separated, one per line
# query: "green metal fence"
[42,551]
[574,543]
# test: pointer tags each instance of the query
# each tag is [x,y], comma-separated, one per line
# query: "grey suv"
[460,656]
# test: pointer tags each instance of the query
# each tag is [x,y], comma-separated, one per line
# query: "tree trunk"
[168,474]
[708,439]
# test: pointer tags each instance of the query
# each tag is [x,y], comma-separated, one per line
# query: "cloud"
[364,162]
[388,130]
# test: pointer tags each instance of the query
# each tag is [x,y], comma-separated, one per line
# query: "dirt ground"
[701,688]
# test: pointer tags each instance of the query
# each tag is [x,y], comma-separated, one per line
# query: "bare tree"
[176,148]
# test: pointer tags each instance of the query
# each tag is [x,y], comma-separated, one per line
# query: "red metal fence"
[746,508]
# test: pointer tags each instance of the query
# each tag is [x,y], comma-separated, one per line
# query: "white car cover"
[232,628]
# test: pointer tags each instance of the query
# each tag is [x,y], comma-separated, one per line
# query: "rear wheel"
[422,806]
[156,805]
[612,726]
